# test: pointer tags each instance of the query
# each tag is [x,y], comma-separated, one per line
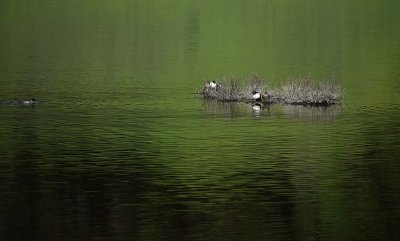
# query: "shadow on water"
[69,183]
[92,181]
[87,181]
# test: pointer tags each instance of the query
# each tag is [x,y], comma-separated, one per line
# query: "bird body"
[213,84]
[266,96]
[256,95]
[28,102]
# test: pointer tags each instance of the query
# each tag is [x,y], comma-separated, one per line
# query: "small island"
[296,91]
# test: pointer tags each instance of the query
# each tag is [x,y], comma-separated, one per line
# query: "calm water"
[120,148]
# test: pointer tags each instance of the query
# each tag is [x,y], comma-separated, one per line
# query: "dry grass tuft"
[254,83]
[305,91]
[228,89]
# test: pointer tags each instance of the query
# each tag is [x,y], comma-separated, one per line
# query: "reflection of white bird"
[213,84]
[256,107]
[256,95]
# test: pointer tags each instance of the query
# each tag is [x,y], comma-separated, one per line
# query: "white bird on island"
[206,86]
[256,96]
[213,84]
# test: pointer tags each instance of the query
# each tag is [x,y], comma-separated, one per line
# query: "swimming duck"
[256,96]
[28,102]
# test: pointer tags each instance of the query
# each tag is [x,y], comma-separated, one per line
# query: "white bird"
[213,84]
[256,95]
[28,102]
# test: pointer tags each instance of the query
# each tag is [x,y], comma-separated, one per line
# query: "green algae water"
[121,148]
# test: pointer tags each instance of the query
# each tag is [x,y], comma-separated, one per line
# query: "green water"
[120,147]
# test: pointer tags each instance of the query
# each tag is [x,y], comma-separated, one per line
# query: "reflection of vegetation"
[312,113]
[299,91]
[233,110]
[229,109]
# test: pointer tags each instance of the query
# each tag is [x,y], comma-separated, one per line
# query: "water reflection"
[229,110]
[233,110]
[312,113]
[256,108]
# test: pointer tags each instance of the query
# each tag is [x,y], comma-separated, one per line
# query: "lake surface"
[120,147]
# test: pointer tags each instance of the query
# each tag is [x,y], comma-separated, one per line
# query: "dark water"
[120,148]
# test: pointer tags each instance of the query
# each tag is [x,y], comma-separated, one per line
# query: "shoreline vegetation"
[302,90]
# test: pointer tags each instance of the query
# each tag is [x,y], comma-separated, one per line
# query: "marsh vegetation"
[302,90]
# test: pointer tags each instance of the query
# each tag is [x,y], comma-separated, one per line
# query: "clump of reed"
[253,83]
[300,91]
[228,90]
[305,91]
